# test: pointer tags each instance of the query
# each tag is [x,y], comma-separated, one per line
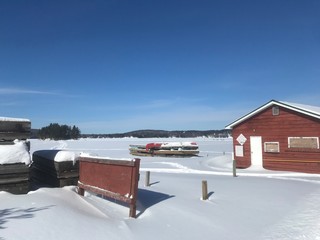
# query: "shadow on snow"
[147,199]
[18,213]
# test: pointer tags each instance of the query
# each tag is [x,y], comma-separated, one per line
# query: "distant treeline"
[164,134]
[58,132]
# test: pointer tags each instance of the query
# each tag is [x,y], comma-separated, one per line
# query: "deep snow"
[257,204]
[15,153]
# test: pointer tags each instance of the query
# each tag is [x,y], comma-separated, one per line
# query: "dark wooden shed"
[14,128]
[278,136]
[14,155]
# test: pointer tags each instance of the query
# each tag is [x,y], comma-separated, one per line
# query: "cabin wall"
[277,129]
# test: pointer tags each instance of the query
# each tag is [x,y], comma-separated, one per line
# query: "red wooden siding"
[277,129]
[112,178]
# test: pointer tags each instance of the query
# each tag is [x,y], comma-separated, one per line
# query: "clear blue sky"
[111,66]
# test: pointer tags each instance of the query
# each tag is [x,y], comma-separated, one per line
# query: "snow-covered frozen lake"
[257,204]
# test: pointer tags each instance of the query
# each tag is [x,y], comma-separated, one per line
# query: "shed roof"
[10,119]
[312,111]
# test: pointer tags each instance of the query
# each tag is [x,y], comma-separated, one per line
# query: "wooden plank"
[16,187]
[70,181]
[13,168]
[293,166]
[14,180]
[14,176]
[15,126]
[104,192]
[112,178]
[66,166]
[108,161]
[6,143]
[11,129]
[10,136]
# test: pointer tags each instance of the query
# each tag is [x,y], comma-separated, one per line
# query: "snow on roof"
[66,156]
[89,155]
[312,111]
[15,153]
[307,108]
[9,119]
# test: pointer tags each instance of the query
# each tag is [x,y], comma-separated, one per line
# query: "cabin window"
[275,110]
[303,142]
[271,147]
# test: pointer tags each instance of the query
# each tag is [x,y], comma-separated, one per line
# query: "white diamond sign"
[241,139]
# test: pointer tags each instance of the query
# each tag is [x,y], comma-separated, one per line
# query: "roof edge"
[268,104]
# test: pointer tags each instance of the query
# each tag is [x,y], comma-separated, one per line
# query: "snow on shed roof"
[10,119]
[312,111]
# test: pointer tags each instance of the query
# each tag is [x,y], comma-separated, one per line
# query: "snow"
[257,204]
[59,155]
[15,153]
[9,119]
[88,155]
[308,108]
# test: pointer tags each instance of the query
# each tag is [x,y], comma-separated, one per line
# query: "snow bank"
[16,153]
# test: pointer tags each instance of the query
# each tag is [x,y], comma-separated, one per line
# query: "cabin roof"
[312,111]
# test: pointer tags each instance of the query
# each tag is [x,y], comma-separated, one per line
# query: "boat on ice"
[182,149]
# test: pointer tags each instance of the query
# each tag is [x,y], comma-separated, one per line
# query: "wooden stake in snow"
[147,180]
[234,166]
[204,190]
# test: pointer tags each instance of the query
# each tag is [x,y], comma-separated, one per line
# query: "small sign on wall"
[241,139]
[239,151]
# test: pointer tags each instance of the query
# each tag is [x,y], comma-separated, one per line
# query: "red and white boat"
[166,149]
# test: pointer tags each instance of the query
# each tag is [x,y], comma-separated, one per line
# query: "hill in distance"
[148,133]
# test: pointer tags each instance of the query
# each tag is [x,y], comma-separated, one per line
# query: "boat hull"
[165,149]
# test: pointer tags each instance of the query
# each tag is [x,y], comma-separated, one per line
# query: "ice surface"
[256,205]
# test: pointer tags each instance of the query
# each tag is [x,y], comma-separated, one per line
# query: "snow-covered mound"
[15,153]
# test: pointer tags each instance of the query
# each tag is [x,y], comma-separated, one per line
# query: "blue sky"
[111,66]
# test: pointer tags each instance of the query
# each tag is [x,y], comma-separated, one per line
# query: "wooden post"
[147,180]
[132,211]
[81,191]
[234,166]
[204,190]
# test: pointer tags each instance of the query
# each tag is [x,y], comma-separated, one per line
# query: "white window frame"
[317,139]
[271,151]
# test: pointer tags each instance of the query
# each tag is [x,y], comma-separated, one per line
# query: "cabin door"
[256,151]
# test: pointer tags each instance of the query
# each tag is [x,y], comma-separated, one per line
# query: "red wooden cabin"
[278,136]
